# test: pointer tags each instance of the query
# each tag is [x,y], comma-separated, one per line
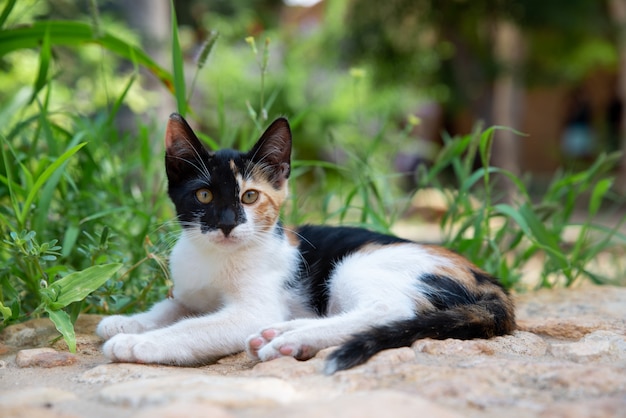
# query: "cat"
[243,281]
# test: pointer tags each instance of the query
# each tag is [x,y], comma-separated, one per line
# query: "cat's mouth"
[219,238]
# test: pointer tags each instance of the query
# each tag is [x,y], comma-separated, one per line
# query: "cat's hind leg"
[303,338]
[366,289]
[357,302]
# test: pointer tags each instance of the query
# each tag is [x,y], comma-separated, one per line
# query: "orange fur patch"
[267,207]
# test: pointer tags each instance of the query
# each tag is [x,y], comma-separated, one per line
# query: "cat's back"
[335,242]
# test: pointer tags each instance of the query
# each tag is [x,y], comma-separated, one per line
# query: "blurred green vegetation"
[81,186]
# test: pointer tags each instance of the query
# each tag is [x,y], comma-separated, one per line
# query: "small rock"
[383,403]
[124,372]
[41,396]
[44,357]
[572,328]
[386,360]
[220,390]
[597,408]
[599,345]
[287,368]
[519,343]
[33,412]
[185,409]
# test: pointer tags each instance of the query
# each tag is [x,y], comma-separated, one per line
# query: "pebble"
[39,396]
[596,346]
[194,409]
[221,390]
[384,403]
[44,357]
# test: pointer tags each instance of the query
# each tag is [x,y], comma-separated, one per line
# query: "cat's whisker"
[202,170]
[205,169]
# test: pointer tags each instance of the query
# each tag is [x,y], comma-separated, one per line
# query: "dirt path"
[567,360]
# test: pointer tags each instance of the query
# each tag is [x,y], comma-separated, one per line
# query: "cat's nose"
[226,229]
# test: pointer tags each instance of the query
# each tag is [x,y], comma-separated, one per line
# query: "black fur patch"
[214,173]
[321,248]
[447,293]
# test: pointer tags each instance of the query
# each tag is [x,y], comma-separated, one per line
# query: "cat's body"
[243,281]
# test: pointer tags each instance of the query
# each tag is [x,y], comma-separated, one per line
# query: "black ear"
[273,151]
[183,149]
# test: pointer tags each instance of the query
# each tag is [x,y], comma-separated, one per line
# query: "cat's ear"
[182,147]
[273,151]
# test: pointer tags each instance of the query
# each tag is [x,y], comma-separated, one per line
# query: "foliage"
[504,237]
[67,196]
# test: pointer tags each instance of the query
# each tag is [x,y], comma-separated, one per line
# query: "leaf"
[71,33]
[44,64]
[6,312]
[178,66]
[41,180]
[63,324]
[78,285]
[597,195]
[7,11]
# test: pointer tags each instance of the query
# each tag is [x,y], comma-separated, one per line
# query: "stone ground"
[568,359]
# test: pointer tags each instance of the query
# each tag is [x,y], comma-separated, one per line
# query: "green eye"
[204,196]
[249,197]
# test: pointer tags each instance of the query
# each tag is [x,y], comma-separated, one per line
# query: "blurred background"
[549,70]
[493,125]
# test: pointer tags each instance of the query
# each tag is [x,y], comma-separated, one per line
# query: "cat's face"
[227,198]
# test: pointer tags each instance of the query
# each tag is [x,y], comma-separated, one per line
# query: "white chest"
[205,280]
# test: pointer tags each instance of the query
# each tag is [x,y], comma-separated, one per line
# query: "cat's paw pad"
[118,324]
[257,341]
[271,344]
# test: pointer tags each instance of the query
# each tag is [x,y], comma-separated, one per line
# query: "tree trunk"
[617,9]
[509,52]
[151,19]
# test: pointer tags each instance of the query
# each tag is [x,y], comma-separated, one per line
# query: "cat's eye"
[249,197]
[204,195]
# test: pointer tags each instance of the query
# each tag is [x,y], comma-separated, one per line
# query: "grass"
[86,224]
[504,237]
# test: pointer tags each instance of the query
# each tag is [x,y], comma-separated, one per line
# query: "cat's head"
[227,197]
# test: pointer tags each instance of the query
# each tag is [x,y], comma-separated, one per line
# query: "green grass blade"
[44,63]
[120,100]
[47,191]
[597,195]
[11,185]
[178,66]
[41,180]
[6,12]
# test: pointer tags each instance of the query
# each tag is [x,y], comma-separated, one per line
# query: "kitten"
[243,281]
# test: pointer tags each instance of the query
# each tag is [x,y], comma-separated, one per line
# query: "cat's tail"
[488,317]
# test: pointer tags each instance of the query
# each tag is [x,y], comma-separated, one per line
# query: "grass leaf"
[63,324]
[78,285]
[41,180]
[178,66]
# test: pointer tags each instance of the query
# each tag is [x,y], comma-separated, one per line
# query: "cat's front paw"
[118,324]
[270,344]
[134,348]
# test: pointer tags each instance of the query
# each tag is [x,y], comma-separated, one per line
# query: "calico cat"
[244,281]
